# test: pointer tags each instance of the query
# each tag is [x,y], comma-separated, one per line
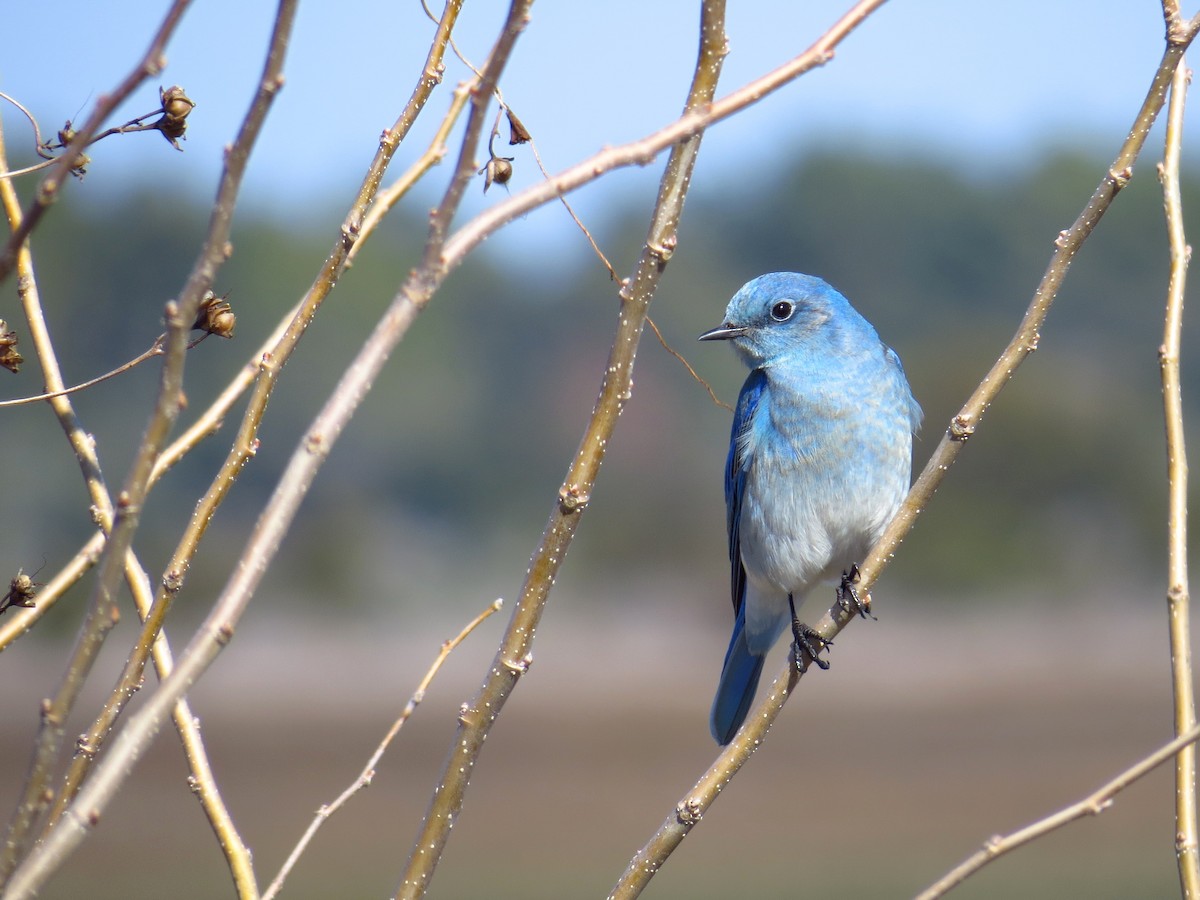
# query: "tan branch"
[367,776]
[154,350]
[694,804]
[1187,839]
[1092,805]
[513,657]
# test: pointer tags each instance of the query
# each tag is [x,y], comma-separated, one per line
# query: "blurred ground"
[923,739]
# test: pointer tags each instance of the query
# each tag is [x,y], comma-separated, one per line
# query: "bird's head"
[782,314]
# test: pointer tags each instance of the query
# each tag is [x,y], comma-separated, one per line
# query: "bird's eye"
[782,311]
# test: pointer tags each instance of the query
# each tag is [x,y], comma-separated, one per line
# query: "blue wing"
[735,481]
[742,669]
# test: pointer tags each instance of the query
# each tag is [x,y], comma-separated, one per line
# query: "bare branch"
[512,658]
[154,350]
[368,773]
[1187,836]
[1092,805]
[690,809]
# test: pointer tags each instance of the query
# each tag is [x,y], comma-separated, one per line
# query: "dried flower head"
[10,356]
[499,169]
[65,135]
[176,106]
[215,316]
[21,591]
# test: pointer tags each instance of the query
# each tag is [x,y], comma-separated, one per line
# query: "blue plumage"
[819,461]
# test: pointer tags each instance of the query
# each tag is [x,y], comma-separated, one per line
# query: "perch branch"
[696,802]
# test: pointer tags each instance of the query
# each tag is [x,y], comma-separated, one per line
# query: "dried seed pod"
[215,316]
[21,591]
[499,169]
[176,106]
[10,356]
[175,102]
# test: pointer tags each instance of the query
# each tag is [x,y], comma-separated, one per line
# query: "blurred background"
[1020,657]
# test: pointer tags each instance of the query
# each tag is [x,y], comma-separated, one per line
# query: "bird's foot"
[806,646]
[847,595]
[806,643]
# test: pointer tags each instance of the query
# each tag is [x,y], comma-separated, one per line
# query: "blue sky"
[983,86]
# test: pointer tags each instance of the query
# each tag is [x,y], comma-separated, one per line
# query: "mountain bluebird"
[819,461]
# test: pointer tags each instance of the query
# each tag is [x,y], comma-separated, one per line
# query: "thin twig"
[154,350]
[367,775]
[687,365]
[33,122]
[1092,805]
[433,155]
[28,170]
[1187,837]
[696,802]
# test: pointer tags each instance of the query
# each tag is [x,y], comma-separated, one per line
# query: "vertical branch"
[513,656]
[1187,843]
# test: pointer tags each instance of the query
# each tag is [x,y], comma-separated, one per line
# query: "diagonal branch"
[514,654]
[368,773]
[694,804]
[1092,805]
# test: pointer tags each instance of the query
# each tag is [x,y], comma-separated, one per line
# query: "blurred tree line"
[442,485]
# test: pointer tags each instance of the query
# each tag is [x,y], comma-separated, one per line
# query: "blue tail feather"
[739,681]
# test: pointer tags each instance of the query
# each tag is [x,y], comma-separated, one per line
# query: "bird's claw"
[806,646]
[848,598]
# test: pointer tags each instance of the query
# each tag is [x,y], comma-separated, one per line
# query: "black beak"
[724,333]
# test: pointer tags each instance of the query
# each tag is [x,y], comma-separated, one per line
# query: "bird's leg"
[847,596]
[806,642]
